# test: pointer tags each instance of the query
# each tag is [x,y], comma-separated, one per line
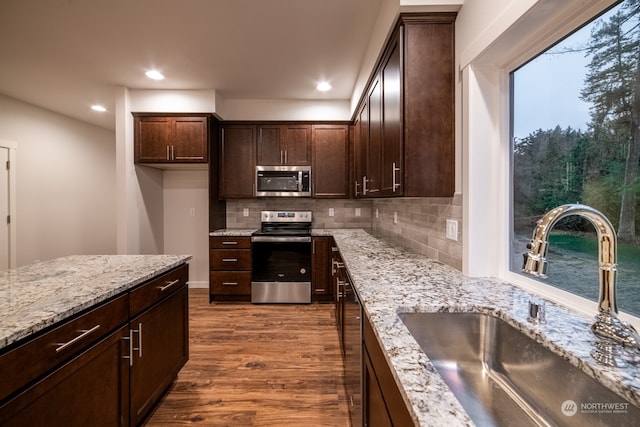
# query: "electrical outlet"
[395,217]
[452,229]
[332,212]
[192,212]
[377,213]
[357,211]
[245,212]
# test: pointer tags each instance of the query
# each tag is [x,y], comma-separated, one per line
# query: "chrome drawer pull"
[230,260]
[168,285]
[85,332]
[229,283]
[229,243]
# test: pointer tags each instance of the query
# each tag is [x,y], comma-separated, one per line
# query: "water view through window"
[576,139]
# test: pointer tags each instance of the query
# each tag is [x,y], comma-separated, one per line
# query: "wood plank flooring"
[258,365]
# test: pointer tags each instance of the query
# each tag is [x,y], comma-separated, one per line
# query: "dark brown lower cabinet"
[375,410]
[116,361]
[90,390]
[383,404]
[322,289]
[161,349]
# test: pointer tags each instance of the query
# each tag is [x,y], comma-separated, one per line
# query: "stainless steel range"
[281,252]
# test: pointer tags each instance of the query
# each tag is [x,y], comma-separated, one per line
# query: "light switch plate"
[332,212]
[357,211]
[395,217]
[452,229]
[245,212]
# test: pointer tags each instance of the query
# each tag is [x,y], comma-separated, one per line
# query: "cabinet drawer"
[32,359]
[225,242]
[231,282]
[151,292]
[230,260]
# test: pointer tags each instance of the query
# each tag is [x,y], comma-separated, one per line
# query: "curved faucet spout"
[535,262]
[611,332]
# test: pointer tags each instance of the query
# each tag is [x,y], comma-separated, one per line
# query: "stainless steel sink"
[504,378]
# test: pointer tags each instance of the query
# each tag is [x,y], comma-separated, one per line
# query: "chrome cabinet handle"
[168,153]
[340,288]
[229,283]
[168,285]
[394,169]
[281,156]
[85,333]
[139,348]
[355,190]
[285,158]
[229,243]
[230,260]
[364,185]
[130,339]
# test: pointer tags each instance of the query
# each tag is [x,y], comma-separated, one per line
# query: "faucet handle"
[537,311]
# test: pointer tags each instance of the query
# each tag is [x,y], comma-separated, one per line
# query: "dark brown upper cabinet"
[404,127]
[284,144]
[237,161]
[330,170]
[171,138]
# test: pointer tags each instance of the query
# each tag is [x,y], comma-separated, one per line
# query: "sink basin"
[504,378]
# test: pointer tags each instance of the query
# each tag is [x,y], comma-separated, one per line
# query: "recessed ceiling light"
[98,108]
[154,74]
[323,86]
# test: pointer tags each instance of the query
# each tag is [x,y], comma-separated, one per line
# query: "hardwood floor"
[258,365]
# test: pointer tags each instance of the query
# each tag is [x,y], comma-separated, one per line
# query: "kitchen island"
[391,280]
[71,338]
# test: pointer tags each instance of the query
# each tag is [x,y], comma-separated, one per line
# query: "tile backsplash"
[420,222]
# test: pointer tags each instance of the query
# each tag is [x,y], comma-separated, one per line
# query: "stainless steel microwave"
[283,181]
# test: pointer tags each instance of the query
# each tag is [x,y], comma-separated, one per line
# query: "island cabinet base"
[106,366]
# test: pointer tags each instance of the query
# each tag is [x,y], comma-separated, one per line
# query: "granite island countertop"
[39,295]
[391,280]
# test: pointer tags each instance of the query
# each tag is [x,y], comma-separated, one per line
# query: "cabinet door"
[374,408]
[297,145]
[161,348]
[190,139]
[360,144]
[330,161]
[374,152]
[270,150]
[321,269]
[237,161]
[391,173]
[152,139]
[91,389]
[429,147]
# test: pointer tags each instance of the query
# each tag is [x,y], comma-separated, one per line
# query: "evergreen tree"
[612,86]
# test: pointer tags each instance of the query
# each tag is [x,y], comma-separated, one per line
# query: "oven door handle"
[281,239]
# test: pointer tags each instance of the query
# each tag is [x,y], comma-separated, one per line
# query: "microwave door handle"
[299,180]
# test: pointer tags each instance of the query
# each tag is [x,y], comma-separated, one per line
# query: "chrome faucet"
[611,333]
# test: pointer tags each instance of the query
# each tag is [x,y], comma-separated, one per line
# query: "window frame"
[486,95]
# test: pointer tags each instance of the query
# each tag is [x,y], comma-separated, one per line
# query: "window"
[576,139]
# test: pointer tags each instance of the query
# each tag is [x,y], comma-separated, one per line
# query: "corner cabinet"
[330,154]
[107,366]
[404,129]
[171,138]
[237,161]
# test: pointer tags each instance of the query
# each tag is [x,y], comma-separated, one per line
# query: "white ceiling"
[65,55]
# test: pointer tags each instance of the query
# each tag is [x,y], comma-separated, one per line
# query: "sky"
[547,89]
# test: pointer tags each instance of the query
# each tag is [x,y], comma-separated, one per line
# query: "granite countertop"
[38,295]
[392,280]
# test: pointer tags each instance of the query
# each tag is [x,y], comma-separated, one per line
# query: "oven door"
[281,269]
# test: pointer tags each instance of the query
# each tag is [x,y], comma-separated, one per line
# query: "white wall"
[186,220]
[65,183]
